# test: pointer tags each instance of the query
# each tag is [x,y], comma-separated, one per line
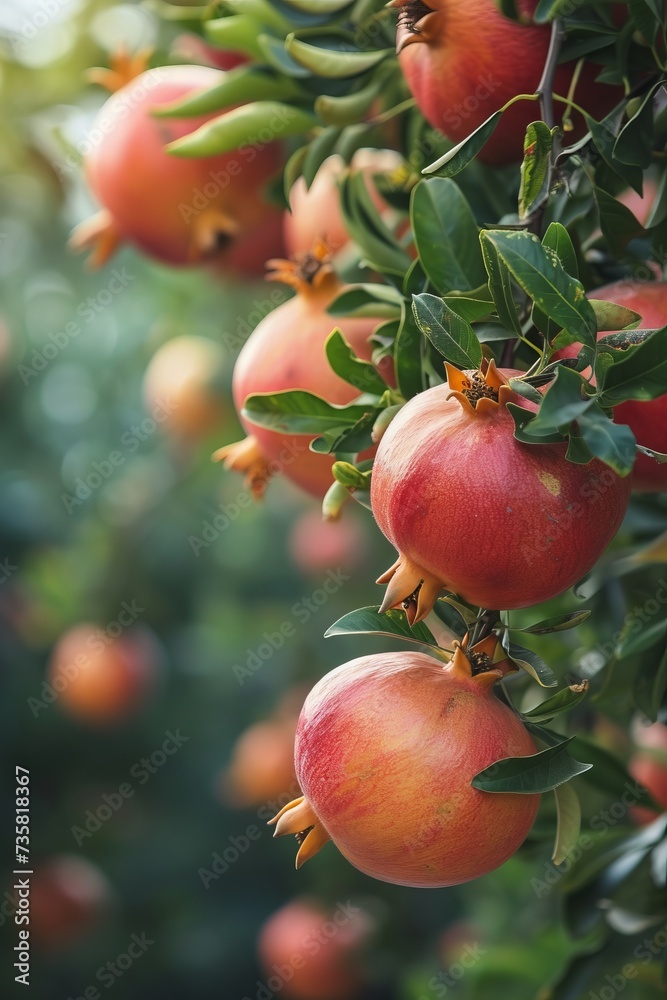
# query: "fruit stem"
[484,626]
[545,87]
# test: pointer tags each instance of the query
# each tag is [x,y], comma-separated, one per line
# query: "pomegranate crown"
[482,391]
[416,21]
[311,270]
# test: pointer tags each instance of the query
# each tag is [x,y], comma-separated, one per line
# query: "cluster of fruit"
[482,497]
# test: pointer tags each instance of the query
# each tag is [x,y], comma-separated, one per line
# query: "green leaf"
[368,621]
[537,145]
[614,444]
[351,108]
[350,476]
[635,140]
[381,301]
[651,685]
[540,772]
[500,287]
[449,333]
[470,307]
[611,316]
[563,701]
[236,34]
[562,403]
[647,16]
[446,235]
[361,374]
[640,374]
[604,139]
[532,664]
[241,127]
[634,640]
[244,84]
[407,355]
[454,160]
[539,273]
[367,228]
[319,149]
[558,240]
[299,412]
[334,64]
[315,6]
[568,827]
[618,224]
[559,623]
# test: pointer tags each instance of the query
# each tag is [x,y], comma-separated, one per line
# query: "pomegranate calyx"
[213,231]
[299,818]
[98,234]
[415,22]
[246,457]
[479,392]
[488,660]
[410,587]
[305,271]
[124,68]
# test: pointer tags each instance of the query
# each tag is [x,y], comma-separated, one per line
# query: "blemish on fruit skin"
[550,482]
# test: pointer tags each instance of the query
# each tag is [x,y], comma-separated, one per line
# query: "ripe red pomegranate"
[101,679]
[649,767]
[386,749]
[648,420]
[472,510]
[68,896]
[463,60]
[315,211]
[286,351]
[178,210]
[309,952]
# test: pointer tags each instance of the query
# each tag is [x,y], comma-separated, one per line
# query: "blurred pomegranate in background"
[316,545]
[179,210]
[315,211]
[314,952]
[69,895]
[182,380]
[101,679]
[649,768]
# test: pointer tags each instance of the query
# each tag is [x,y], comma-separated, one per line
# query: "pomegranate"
[262,765]
[315,211]
[648,419]
[286,351]
[472,510]
[463,60]
[649,768]
[178,210]
[313,952]
[102,679]
[316,545]
[386,748]
[183,381]
[68,896]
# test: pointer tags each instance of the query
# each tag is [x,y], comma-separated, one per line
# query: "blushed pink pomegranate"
[463,60]
[178,210]
[386,749]
[473,511]
[287,351]
[649,767]
[647,419]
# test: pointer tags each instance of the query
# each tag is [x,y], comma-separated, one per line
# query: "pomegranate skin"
[286,351]
[647,419]
[157,201]
[469,60]
[386,748]
[471,509]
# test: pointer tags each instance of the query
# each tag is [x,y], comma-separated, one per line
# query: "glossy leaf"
[454,160]
[368,621]
[446,235]
[361,374]
[244,84]
[568,828]
[651,684]
[407,355]
[382,301]
[559,623]
[299,412]
[540,274]
[640,374]
[532,664]
[540,772]
[563,701]
[537,145]
[241,127]
[449,333]
[335,64]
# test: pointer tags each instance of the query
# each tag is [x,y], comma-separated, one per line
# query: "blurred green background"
[212,581]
